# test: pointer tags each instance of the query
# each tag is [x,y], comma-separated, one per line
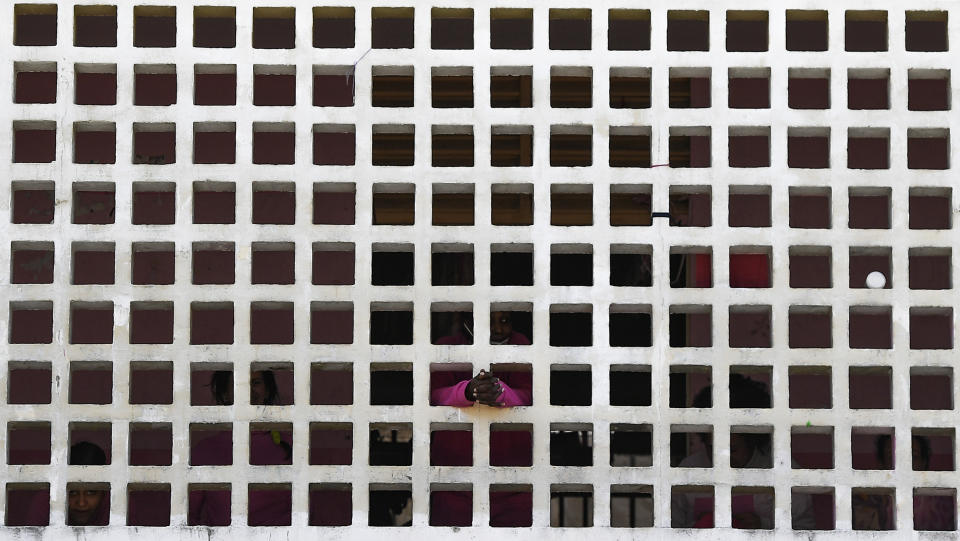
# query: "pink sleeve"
[451,396]
[454,396]
[511,397]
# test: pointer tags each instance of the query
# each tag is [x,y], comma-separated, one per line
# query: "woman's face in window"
[82,504]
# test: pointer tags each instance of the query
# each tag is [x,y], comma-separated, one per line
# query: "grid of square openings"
[216,261]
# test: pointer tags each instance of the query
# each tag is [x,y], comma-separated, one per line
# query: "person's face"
[501,326]
[740,451]
[82,504]
[258,389]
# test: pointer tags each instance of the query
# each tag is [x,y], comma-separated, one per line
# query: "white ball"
[876,280]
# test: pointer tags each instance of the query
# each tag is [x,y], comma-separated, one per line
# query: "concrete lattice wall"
[914,187]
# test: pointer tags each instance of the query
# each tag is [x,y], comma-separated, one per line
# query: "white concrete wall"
[660,297]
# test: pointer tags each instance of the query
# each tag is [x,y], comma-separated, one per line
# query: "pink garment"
[265,507]
[455,508]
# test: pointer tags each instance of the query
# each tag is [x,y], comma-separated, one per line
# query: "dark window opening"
[388,507]
[570,29]
[29,382]
[747,31]
[331,384]
[451,268]
[868,90]
[392,28]
[451,28]
[214,143]
[451,328]
[273,86]
[688,30]
[928,149]
[691,329]
[271,323]
[333,27]
[870,328]
[34,142]
[452,91]
[929,270]
[392,268]
[148,504]
[391,327]
[870,388]
[452,446]
[273,143]
[571,91]
[571,447]
[810,327]
[629,387]
[748,92]
[749,327]
[94,143]
[274,28]
[333,265]
[31,263]
[151,444]
[28,504]
[689,92]
[809,210]
[511,90]
[631,270]
[570,387]
[153,263]
[211,323]
[690,388]
[866,31]
[749,150]
[213,263]
[394,149]
[331,323]
[931,328]
[868,150]
[274,204]
[693,445]
[628,30]
[33,203]
[272,263]
[570,509]
[689,269]
[93,206]
[571,149]
[810,388]
[928,90]
[151,382]
[215,85]
[95,26]
[91,322]
[511,208]
[35,83]
[334,145]
[629,150]
[571,208]
[28,443]
[214,203]
[154,26]
[511,149]
[749,210]
[151,322]
[511,268]
[511,28]
[689,151]
[630,329]
[930,389]
[631,445]
[452,149]
[929,209]
[629,92]
[571,329]
[806,30]
[154,144]
[334,204]
[214,27]
[31,322]
[391,445]
[451,507]
[811,448]
[571,269]
[35,24]
[331,443]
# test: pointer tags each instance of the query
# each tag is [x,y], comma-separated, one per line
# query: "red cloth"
[749,270]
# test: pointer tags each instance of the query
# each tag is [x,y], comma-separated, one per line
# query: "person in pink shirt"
[265,508]
[513,448]
[501,331]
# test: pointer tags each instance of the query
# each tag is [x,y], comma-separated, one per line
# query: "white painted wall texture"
[660,238]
